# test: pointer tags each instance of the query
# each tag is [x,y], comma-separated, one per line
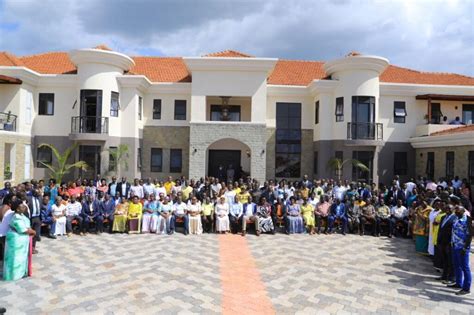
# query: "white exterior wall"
[167,109]
[307,109]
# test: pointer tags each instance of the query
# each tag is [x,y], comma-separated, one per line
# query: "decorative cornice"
[457,139]
[90,55]
[28,76]
[230,64]
[322,86]
[139,82]
[408,89]
[287,90]
[170,88]
[359,62]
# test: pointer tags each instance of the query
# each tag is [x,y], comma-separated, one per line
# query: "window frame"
[156,115]
[38,153]
[430,165]
[288,139]
[182,104]
[112,162]
[156,168]
[176,169]
[232,109]
[43,112]
[339,109]
[140,108]
[398,167]
[316,112]
[467,108]
[450,164]
[114,112]
[400,106]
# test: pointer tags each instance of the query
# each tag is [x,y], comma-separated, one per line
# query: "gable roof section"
[161,69]
[229,54]
[7,59]
[50,63]
[453,130]
[296,72]
[394,74]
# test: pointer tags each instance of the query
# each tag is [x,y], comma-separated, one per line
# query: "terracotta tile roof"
[296,72]
[453,130]
[396,74]
[103,47]
[229,53]
[50,63]
[7,59]
[161,69]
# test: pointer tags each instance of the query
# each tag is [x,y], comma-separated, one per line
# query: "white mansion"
[268,117]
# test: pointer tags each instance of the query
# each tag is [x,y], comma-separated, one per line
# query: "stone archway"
[228,159]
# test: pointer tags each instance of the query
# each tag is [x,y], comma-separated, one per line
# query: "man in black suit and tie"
[123,188]
[34,205]
[396,194]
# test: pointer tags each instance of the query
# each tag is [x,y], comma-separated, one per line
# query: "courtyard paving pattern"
[214,274]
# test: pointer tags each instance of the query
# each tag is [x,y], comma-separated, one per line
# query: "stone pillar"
[375,165]
[258,163]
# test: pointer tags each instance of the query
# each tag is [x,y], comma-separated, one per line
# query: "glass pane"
[282,110]
[400,112]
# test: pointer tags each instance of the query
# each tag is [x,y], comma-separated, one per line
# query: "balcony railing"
[89,124]
[7,121]
[364,131]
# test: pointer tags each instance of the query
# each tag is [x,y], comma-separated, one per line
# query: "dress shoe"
[454,286]
[463,292]
[52,236]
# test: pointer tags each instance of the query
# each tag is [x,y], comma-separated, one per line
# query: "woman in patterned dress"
[264,213]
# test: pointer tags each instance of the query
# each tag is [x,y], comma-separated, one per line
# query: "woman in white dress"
[151,215]
[59,213]
[194,215]
[434,212]
[222,216]
[165,220]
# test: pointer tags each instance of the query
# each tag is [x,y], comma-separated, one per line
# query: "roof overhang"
[446,97]
[454,139]
[91,55]
[230,64]
[4,79]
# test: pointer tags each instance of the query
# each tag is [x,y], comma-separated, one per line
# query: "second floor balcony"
[89,128]
[7,122]
[364,131]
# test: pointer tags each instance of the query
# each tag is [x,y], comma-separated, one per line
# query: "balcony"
[89,128]
[7,122]
[364,131]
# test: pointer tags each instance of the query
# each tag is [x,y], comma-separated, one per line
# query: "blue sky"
[428,35]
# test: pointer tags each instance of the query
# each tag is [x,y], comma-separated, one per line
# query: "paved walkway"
[230,274]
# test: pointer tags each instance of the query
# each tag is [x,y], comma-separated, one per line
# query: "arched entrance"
[228,159]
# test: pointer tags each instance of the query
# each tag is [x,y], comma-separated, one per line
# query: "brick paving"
[147,274]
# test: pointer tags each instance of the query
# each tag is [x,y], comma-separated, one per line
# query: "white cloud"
[421,34]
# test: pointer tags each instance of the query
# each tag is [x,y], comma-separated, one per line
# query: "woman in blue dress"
[293,217]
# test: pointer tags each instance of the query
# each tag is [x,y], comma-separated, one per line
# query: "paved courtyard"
[232,275]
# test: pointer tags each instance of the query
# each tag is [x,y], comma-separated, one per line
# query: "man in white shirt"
[249,214]
[73,212]
[339,191]
[215,188]
[457,183]
[399,216]
[137,190]
[230,194]
[236,210]
[148,187]
[179,214]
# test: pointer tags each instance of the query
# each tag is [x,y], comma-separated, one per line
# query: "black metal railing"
[364,131]
[89,124]
[7,121]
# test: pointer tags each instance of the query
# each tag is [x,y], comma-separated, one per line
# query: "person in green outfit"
[15,265]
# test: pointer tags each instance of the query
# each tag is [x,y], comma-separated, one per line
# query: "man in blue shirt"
[461,244]
[338,212]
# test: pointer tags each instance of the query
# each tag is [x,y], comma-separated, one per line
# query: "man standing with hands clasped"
[461,242]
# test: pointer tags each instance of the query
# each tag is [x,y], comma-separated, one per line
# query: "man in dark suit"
[444,242]
[34,205]
[93,211]
[396,194]
[109,208]
[47,216]
[123,188]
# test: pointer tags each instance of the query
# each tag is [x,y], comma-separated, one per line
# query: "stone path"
[207,274]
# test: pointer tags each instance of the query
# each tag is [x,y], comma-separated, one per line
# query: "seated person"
[294,219]
[207,214]
[382,215]
[264,213]
[92,212]
[236,210]
[109,209]
[180,211]
[399,215]
[322,213]
[249,214]
[151,214]
[59,215]
[194,216]
[307,211]
[338,212]
[222,216]
[166,212]
[135,211]
[367,216]
[120,216]
[73,212]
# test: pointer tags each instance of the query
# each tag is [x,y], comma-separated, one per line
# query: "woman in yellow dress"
[421,226]
[307,210]
[120,216]
[135,210]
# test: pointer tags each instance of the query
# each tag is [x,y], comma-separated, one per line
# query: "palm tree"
[337,165]
[62,168]
[118,158]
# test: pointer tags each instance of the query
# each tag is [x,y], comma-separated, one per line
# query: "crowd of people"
[437,215]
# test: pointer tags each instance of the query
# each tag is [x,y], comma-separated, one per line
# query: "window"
[340,109]
[449,164]
[176,160]
[46,104]
[114,104]
[430,160]
[315,162]
[112,161]
[316,113]
[340,156]
[180,110]
[400,163]
[468,114]
[399,112]
[288,140]
[156,160]
[470,167]
[27,161]
[225,113]
[139,158]
[156,109]
[140,107]
[436,113]
[45,155]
